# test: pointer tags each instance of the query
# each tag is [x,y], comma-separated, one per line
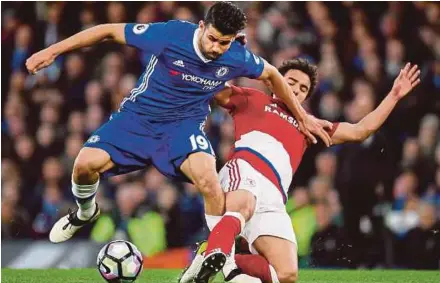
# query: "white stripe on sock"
[84,191]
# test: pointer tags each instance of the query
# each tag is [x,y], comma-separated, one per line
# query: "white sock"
[212,220]
[85,196]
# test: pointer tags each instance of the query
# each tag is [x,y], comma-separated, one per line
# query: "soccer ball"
[119,262]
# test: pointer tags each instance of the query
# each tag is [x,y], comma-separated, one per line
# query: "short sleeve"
[238,99]
[147,37]
[253,65]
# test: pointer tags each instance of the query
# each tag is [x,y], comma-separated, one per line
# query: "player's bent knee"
[247,212]
[288,276]
[89,162]
[241,201]
[82,169]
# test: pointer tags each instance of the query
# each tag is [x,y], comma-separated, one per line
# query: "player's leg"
[88,165]
[200,168]
[117,147]
[240,205]
[233,276]
[273,244]
[276,261]
[281,254]
[187,155]
[214,204]
[271,239]
[217,253]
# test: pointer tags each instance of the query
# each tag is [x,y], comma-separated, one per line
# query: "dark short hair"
[304,66]
[226,17]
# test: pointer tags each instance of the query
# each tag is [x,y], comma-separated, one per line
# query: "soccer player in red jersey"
[267,151]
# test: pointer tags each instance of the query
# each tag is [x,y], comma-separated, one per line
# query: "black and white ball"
[119,262]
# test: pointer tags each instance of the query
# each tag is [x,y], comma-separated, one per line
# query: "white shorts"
[270,217]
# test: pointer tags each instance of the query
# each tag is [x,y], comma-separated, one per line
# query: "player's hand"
[241,38]
[408,78]
[312,126]
[40,60]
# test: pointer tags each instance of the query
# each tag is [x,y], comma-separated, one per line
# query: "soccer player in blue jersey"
[161,121]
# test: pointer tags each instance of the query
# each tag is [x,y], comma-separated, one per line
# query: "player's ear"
[201,24]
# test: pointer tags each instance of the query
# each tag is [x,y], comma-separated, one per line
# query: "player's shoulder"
[238,53]
[181,24]
[180,28]
[256,93]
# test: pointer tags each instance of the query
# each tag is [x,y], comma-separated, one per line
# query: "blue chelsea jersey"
[178,82]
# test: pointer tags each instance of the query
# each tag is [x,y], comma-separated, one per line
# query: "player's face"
[213,43]
[299,82]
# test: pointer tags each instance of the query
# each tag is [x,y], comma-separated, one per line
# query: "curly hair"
[226,17]
[304,66]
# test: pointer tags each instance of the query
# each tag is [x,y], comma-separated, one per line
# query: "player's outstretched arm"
[85,38]
[308,125]
[403,84]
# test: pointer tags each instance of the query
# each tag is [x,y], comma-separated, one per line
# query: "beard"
[211,55]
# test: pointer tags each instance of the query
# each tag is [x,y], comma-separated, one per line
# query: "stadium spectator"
[23,40]
[48,200]
[422,243]
[329,246]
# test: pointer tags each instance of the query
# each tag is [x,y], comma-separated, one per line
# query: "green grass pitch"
[167,276]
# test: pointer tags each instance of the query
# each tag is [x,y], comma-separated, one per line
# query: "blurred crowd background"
[374,204]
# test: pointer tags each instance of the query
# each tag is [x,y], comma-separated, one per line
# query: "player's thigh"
[246,189]
[281,254]
[123,144]
[270,233]
[192,153]
[200,168]
[93,160]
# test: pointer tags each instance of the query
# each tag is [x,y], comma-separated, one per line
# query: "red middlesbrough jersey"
[267,136]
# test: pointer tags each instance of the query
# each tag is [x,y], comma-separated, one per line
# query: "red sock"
[255,266]
[223,235]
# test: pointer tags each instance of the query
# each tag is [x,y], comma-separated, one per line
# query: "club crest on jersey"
[248,182]
[221,72]
[140,28]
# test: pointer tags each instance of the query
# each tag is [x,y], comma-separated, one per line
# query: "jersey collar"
[196,47]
